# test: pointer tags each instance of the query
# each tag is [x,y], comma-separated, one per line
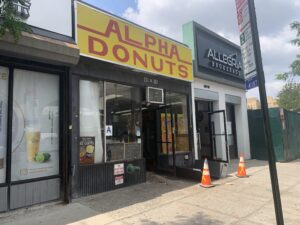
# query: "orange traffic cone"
[206,181]
[241,171]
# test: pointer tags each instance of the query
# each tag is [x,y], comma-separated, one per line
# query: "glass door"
[219,136]
[204,140]
[166,156]
[231,131]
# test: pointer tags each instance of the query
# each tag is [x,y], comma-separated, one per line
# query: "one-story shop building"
[92,104]
[131,103]
[221,130]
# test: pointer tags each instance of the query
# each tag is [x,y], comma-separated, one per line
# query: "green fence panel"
[292,121]
[257,136]
[256,132]
[277,134]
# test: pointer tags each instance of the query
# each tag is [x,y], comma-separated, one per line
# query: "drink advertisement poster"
[35,127]
[87,150]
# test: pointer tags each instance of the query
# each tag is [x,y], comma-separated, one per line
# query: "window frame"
[104,121]
[4,183]
[60,125]
[105,81]
[62,73]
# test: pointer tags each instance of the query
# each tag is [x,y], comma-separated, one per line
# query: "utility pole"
[254,75]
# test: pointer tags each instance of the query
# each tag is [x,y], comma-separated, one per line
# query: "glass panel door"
[231,131]
[204,141]
[165,139]
[219,136]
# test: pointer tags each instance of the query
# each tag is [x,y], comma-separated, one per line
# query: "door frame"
[63,73]
[170,168]
[224,134]
[234,134]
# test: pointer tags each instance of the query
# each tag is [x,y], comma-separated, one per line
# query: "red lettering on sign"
[163,45]
[160,68]
[149,40]
[174,51]
[137,57]
[117,50]
[127,37]
[93,42]
[183,71]
[113,27]
[171,64]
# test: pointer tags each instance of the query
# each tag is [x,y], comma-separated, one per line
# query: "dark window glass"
[123,122]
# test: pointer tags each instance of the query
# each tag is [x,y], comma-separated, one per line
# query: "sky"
[167,16]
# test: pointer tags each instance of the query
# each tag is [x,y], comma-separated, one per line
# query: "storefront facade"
[33,104]
[220,122]
[131,103]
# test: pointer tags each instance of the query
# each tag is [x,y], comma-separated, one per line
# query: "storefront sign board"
[108,38]
[217,57]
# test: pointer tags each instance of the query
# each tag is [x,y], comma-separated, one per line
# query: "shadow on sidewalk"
[155,187]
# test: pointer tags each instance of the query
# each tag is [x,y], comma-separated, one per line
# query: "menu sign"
[87,150]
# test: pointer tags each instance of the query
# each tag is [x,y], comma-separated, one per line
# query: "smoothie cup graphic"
[33,137]
[32,123]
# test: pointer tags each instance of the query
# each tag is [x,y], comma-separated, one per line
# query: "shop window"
[91,122]
[35,127]
[177,116]
[123,122]
[3,121]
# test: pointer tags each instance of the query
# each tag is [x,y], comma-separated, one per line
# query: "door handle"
[73,170]
[199,140]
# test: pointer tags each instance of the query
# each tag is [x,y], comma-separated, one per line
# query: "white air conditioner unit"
[155,95]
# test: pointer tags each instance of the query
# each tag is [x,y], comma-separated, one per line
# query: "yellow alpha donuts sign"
[108,38]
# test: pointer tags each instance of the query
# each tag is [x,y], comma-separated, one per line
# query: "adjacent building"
[34,103]
[254,103]
[220,111]
[131,103]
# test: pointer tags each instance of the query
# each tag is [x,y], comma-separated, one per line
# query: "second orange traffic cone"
[241,171]
[206,181]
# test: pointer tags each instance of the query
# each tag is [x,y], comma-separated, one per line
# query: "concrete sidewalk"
[170,201]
